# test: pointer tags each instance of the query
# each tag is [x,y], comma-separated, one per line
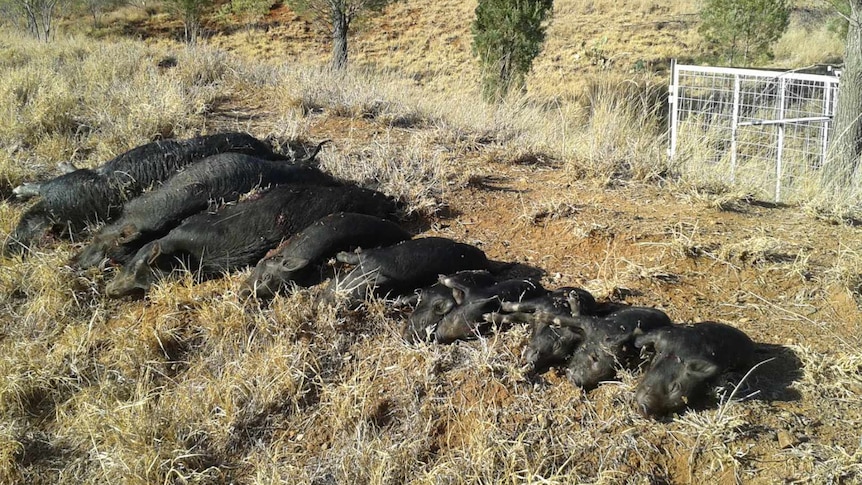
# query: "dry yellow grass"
[195,385]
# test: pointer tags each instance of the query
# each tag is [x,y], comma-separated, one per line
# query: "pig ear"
[155,252]
[128,234]
[702,369]
[458,295]
[293,264]
[442,307]
[646,340]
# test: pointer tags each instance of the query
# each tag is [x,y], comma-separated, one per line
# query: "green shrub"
[247,12]
[741,32]
[507,36]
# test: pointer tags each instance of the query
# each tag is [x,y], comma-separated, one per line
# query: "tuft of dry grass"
[355,93]
[834,376]
[415,173]
[87,102]
[847,271]
[687,241]
[622,136]
[717,194]
[809,39]
[759,250]
[549,209]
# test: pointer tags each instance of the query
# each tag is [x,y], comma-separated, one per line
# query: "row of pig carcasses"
[174,203]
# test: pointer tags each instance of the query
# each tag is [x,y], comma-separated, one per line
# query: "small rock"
[786,440]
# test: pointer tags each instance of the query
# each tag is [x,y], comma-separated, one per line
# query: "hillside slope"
[429,42]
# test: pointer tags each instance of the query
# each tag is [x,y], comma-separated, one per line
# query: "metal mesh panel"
[765,130]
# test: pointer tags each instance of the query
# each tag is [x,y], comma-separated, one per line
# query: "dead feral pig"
[549,347]
[591,347]
[240,235]
[402,268]
[607,343]
[298,258]
[466,320]
[685,361]
[437,300]
[220,178]
[555,302]
[74,200]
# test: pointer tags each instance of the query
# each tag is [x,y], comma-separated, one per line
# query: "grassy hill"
[429,42]
[196,385]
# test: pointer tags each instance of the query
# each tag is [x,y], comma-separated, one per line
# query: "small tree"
[743,31]
[248,12]
[507,36]
[96,9]
[190,12]
[338,15]
[35,16]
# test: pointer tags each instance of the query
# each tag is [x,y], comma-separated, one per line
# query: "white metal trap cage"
[765,130]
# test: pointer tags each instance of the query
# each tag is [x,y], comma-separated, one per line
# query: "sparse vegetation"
[742,31]
[191,14]
[247,12]
[96,9]
[339,15]
[37,17]
[507,36]
[195,384]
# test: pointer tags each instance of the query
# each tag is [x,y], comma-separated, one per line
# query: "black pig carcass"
[556,302]
[590,347]
[297,260]
[402,268]
[215,180]
[70,202]
[466,320]
[686,360]
[436,301]
[607,343]
[240,235]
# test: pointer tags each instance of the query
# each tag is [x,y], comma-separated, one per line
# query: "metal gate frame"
[782,78]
